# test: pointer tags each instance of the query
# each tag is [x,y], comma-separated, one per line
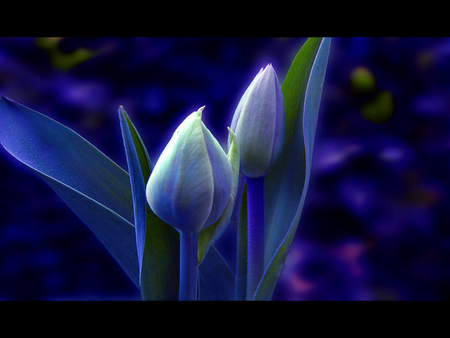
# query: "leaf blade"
[157,242]
[92,185]
[302,89]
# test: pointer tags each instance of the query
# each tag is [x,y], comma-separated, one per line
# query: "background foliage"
[375,224]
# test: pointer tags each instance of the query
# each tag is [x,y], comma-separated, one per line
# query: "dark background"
[375,225]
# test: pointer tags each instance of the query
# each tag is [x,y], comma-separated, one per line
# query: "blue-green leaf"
[157,242]
[287,183]
[93,186]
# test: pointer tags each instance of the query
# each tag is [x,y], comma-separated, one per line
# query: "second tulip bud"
[258,123]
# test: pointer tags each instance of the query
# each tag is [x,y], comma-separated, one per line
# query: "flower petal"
[222,176]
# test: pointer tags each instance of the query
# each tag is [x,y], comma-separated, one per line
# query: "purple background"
[376,222]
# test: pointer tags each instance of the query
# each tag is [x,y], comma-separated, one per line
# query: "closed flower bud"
[190,184]
[258,123]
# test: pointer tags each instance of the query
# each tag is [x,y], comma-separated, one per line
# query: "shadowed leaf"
[93,186]
[287,184]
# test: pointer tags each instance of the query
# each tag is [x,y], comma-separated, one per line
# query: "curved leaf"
[157,242]
[287,184]
[93,186]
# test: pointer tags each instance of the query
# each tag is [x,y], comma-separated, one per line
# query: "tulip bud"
[258,123]
[190,184]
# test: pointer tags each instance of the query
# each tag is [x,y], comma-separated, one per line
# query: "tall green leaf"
[287,183]
[157,242]
[93,186]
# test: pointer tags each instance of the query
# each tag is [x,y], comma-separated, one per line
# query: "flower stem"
[242,246]
[188,265]
[255,208]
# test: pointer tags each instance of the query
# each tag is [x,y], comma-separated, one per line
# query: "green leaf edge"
[158,259]
[273,269]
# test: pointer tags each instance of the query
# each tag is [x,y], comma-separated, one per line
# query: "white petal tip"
[199,111]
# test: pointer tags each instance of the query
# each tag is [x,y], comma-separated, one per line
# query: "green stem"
[188,265]
[241,254]
[255,208]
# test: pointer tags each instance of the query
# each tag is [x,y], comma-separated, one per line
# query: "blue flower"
[191,183]
[258,123]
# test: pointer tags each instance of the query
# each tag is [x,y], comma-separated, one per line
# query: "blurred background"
[376,222]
